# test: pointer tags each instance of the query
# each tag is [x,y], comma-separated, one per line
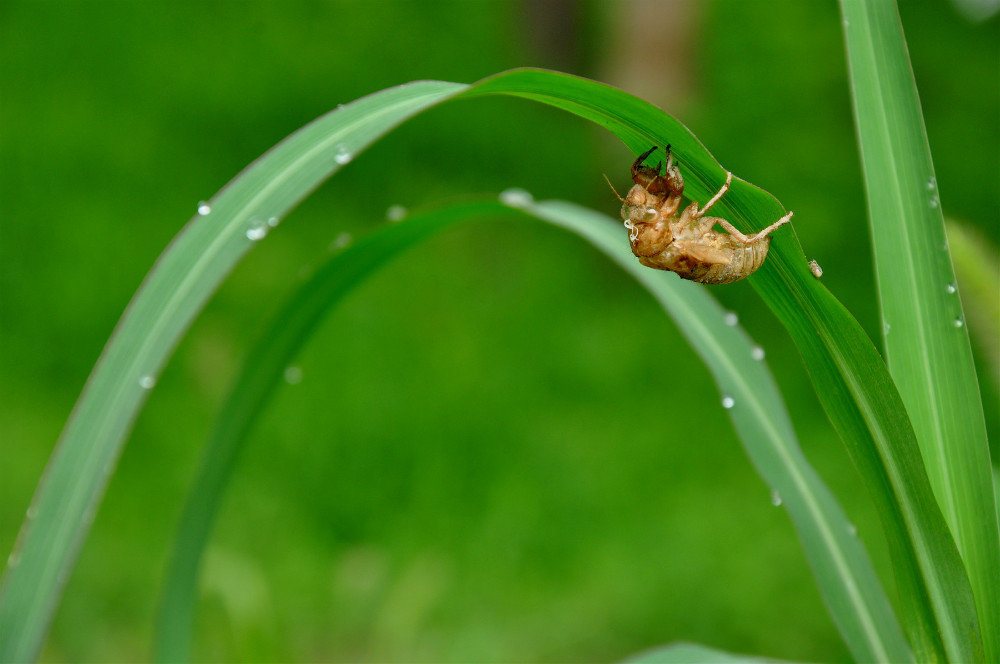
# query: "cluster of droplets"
[935,200]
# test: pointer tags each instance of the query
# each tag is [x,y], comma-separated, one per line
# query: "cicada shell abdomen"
[744,259]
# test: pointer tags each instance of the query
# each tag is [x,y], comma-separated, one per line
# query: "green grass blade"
[840,564]
[260,374]
[179,285]
[692,653]
[851,380]
[844,572]
[925,336]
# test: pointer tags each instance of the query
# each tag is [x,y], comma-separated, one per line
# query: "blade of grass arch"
[844,573]
[852,383]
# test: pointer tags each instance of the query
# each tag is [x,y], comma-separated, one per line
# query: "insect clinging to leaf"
[664,237]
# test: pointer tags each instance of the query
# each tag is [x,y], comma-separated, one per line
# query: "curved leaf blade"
[847,580]
[183,279]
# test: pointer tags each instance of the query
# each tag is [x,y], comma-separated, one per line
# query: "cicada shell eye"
[649,214]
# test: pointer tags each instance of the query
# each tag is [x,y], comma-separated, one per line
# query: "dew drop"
[293,375]
[757,353]
[204,208]
[950,289]
[852,530]
[958,322]
[516,198]
[257,229]
[395,213]
[885,328]
[731,319]
[931,183]
[342,240]
[342,155]
[273,221]
[32,512]
[147,382]
[935,201]
[728,402]
[775,498]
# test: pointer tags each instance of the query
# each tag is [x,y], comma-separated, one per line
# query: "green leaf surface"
[173,293]
[692,653]
[925,336]
[850,378]
[747,391]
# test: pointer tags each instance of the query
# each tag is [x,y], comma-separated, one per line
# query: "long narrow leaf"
[260,374]
[847,580]
[851,380]
[181,282]
[926,339]
[692,653]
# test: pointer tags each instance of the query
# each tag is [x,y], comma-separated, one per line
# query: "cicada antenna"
[617,195]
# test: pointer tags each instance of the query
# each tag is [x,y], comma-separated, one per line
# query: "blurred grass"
[535,555]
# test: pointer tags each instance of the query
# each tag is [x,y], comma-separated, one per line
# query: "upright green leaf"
[926,339]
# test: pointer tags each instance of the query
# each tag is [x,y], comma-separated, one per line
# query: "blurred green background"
[462,473]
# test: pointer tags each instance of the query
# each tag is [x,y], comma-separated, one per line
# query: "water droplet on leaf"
[516,198]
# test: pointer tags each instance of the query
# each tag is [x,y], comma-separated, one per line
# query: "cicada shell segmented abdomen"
[744,259]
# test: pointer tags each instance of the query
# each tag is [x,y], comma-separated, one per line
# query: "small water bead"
[273,221]
[395,213]
[776,498]
[885,328]
[257,229]
[932,183]
[147,382]
[958,322]
[342,155]
[757,353]
[32,512]
[342,240]
[731,319]
[935,201]
[950,289]
[852,530]
[516,198]
[293,375]
[204,208]
[728,402]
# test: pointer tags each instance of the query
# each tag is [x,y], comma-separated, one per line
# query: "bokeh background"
[458,470]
